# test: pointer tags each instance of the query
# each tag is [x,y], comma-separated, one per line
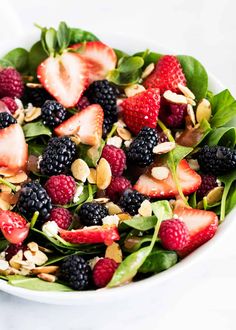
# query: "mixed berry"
[112,166]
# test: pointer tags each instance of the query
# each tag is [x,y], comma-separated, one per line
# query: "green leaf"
[179,153]
[231,199]
[149,57]
[35,149]
[223,136]
[162,210]
[192,201]
[3,244]
[159,260]
[124,79]
[228,180]
[51,40]
[130,63]
[18,58]
[141,223]
[223,108]
[35,284]
[90,158]
[196,75]
[36,129]
[63,36]
[78,35]
[4,63]
[36,56]
[134,243]
[120,53]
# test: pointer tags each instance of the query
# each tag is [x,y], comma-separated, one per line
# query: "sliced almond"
[113,208]
[45,269]
[145,209]
[114,252]
[16,260]
[80,170]
[40,258]
[191,101]
[27,264]
[75,139]
[19,116]
[45,250]
[4,265]
[18,178]
[191,113]
[29,255]
[186,91]
[160,172]
[4,205]
[175,98]
[33,246]
[101,200]
[148,70]
[164,147]
[203,110]
[103,174]
[93,153]
[47,277]
[32,113]
[92,178]
[34,85]
[134,90]
[124,133]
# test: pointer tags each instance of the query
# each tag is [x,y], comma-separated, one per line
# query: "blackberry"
[208,183]
[140,150]
[131,201]
[107,125]
[6,120]
[33,197]
[37,96]
[216,160]
[91,214]
[58,156]
[75,271]
[53,113]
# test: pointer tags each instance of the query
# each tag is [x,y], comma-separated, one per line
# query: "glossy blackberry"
[107,125]
[53,113]
[6,120]
[131,201]
[58,156]
[140,150]
[91,214]
[216,160]
[36,96]
[208,183]
[75,271]
[33,197]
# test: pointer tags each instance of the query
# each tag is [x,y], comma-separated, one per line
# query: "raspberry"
[53,113]
[61,188]
[11,83]
[61,216]
[83,103]
[10,103]
[117,186]
[131,201]
[174,234]
[6,120]
[103,271]
[208,183]
[91,214]
[173,115]
[12,250]
[116,158]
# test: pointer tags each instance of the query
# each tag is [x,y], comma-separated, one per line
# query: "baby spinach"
[18,58]
[141,223]
[63,36]
[227,179]
[149,57]
[90,158]
[223,108]
[134,243]
[36,56]
[35,148]
[79,35]
[224,136]
[32,130]
[119,53]
[159,260]
[3,244]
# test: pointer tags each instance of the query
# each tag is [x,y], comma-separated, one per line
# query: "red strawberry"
[99,57]
[13,226]
[202,226]
[13,150]
[94,234]
[141,110]
[87,124]
[188,178]
[65,77]
[167,75]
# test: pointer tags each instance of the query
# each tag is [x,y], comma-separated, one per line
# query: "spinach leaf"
[196,75]
[120,53]
[141,223]
[36,129]
[134,243]
[78,35]
[18,58]
[223,109]
[224,136]
[63,36]
[89,154]
[149,57]
[35,148]
[228,180]
[231,199]
[5,63]
[222,99]
[3,244]
[159,260]
[37,55]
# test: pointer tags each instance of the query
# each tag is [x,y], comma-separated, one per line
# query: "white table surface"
[204,29]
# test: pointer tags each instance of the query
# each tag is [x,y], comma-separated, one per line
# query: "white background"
[204,29]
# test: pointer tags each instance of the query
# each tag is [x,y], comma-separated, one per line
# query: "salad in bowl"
[114,166]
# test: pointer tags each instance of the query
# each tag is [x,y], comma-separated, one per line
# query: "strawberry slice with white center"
[99,57]
[87,124]
[13,226]
[13,150]
[202,226]
[189,181]
[65,77]
[95,234]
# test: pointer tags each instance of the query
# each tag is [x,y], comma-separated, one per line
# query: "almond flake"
[191,113]
[40,258]
[32,113]
[113,208]
[47,277]
[34,85]
[80,170]
[203,110]
[45,269]
[175,98]
[160,172]
[114,252]
[191,101]
[148,70]
[145,209]
[164,147]
[16,260]
[103,174]
[4,265]
[124,133]
[134,90]
[33,246]
[92,176]
[29,255]
[75,139]
[93,153]
[18,178]
[101,200]
[186,91]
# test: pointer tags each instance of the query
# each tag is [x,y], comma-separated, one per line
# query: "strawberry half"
[167,75]
[99,57]
[65,77]
[87,124]
[95,234]
[189,181]
[13,150]
[141,110]
[13,226]
[202,226]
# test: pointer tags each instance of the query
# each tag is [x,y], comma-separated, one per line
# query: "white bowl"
[148,290]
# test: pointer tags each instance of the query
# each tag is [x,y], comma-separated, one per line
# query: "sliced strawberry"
[13,226]
[65,77]
[202,226]
[13,150]
[87,124]
[189,181]
[99,57]
[96,234]
[167,75]
[141,110]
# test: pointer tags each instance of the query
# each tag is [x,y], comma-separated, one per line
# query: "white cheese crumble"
[50,228]
[78,192]
[111,220]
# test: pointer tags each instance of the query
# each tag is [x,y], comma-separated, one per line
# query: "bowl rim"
[84,297]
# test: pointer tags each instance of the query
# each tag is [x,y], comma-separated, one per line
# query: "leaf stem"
[8,184]
[166,131]
[223,202]
[34,219]
[112,132]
